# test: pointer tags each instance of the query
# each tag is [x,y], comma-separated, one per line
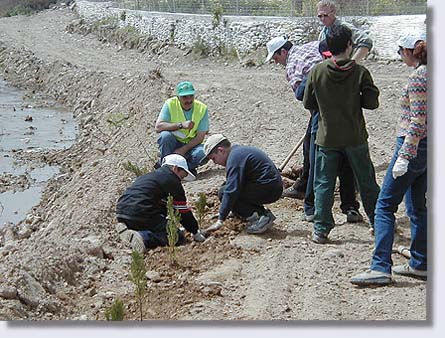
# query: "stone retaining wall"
[245,34]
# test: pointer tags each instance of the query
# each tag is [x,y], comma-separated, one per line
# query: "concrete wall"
[246,33]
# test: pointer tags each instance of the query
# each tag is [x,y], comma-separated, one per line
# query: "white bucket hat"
[179,161]
[408,39]
[273,45]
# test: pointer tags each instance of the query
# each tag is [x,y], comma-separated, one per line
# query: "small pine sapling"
[172,229]
[137,276]
[115,312]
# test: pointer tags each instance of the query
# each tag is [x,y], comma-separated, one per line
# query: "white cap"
[212,142]
[179,161]
[408,39]
[273,45]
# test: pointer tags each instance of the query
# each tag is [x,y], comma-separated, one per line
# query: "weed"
[201,47]
[123,16]
[172,229]
[217,13]
[137,277]
[134,168]
[116,311]
[117,119]
[157,73]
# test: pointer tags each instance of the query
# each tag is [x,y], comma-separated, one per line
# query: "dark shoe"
[371,277]
[353,216]
[406,270]
[157,165]
[262,224]
[291,192]
[308,218]
[253,218]
[319,238]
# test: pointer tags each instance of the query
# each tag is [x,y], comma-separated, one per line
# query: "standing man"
[142,210]
[299,60]
[339,89]
[252,180]
[182,125]
[361,42]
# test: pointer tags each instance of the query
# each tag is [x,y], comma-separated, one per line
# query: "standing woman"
[406,175]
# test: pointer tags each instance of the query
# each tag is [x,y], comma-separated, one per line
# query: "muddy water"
[29,129]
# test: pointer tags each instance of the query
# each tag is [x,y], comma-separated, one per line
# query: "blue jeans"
[412,185]
[168,144]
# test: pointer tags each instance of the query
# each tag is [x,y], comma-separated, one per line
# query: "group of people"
[327,77]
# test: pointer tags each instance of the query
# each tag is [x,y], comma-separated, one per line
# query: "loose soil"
[65,261]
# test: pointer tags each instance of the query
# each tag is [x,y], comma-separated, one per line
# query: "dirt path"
[74,253]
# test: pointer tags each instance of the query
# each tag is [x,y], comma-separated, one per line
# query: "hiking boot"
[353,216]
[406,270]
[291,192]
[131,238]
[262,224]
[253,218]
[319,238]
[371,277]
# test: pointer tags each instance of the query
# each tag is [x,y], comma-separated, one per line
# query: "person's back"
[339,88]
[342,89]
[145,200]
[254,163]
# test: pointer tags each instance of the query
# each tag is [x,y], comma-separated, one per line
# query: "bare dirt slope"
[71,265]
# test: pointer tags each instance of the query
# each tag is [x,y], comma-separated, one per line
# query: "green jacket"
[339,92]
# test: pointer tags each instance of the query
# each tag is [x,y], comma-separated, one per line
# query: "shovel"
[292,153]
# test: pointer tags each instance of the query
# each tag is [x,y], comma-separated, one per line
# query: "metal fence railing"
[275,7]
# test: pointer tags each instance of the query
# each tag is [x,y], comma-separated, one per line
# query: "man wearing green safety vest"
[182,125]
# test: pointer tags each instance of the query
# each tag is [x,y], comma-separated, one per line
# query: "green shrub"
[172,229]
[116,311]
[134,168]
[137,276]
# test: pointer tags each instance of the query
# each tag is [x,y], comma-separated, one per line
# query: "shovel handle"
[292,153]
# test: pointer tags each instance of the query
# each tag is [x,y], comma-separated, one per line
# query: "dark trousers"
[253,196]
[301,183]
[345,175]
[154,236]
[326,171]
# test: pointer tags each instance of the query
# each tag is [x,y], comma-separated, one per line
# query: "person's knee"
[166,137]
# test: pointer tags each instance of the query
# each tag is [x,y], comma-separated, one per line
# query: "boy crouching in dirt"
[141,211]
[252,179]
[339,88]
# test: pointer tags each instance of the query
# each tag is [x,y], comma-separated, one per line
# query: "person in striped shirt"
[406,175]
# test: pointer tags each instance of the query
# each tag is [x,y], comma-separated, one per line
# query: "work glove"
[400,167]
[199,237]
[215,226]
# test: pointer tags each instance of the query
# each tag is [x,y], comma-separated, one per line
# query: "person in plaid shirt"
[298,62]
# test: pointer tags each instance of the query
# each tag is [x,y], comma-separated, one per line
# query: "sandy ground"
[66,261]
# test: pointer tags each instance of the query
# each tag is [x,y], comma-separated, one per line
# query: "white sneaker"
[199,237]
[131,238]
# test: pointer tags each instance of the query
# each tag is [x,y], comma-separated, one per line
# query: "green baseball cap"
[185,88]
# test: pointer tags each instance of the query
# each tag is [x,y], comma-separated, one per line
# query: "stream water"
[30,129]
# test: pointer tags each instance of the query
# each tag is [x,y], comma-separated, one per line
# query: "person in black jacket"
[141,211]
